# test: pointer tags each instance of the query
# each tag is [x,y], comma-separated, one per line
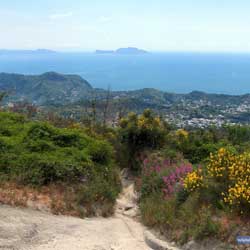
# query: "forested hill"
[47,88]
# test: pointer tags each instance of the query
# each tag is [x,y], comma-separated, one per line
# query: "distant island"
[37,51]
[104,51]
[123,51]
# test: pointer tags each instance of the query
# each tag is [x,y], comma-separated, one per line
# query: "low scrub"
[186,201]
[138,133]
[226,178]
[37,154]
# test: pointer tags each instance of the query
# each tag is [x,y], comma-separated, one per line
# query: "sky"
[156,25]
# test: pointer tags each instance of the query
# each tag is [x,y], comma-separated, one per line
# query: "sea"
[178,72]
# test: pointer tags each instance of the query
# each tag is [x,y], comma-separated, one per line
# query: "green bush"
[140,132]
[100,152]
[167,205]
[156,211]
[68,138]
[151,184]
[4,145]
[99,193]
[205,227]
[36,153]
[38,131]
[98,190]
[39,146]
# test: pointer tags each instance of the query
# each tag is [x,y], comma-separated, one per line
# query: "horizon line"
[82,50]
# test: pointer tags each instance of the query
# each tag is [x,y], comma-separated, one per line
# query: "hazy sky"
[169,25]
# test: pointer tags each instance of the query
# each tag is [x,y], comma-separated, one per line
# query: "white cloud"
[60,15]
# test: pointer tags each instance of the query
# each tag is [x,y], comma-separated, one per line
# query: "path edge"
[157,244]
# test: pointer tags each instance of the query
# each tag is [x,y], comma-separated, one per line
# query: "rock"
[207,245]
[192,245]
[129,206]
[156,243]
[131,213]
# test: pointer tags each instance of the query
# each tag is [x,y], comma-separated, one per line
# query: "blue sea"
[173,72]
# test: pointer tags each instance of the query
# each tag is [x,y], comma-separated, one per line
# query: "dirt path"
[25,229]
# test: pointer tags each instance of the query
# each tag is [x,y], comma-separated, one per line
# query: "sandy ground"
[26,229]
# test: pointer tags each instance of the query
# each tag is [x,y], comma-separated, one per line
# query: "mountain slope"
[47,88]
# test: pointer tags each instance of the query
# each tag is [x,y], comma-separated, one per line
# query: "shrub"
[206,226]
[100,152]
[195,198]
[4,145]
[40,153]
[164,176]
[193,180]
[99,193]
[138,133]
[69,138]
[226,177]
[174,181]
[39,146]
[40,131]
[233,171]
[156,211]
[172,199]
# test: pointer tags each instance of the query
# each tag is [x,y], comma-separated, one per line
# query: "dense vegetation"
[138,133]
[193,184]
[38,154]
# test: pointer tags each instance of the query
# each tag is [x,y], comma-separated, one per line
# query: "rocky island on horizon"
[26,51]
[123,51]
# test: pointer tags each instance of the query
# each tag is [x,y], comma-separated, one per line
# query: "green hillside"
[47,88]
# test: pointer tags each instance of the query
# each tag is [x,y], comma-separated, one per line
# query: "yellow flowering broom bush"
[230,173]
[141,132]
[193,180]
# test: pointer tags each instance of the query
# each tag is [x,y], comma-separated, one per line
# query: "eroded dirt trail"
[25,229]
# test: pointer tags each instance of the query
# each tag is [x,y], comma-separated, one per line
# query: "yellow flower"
[182,132]
[193,180]
[233,171]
